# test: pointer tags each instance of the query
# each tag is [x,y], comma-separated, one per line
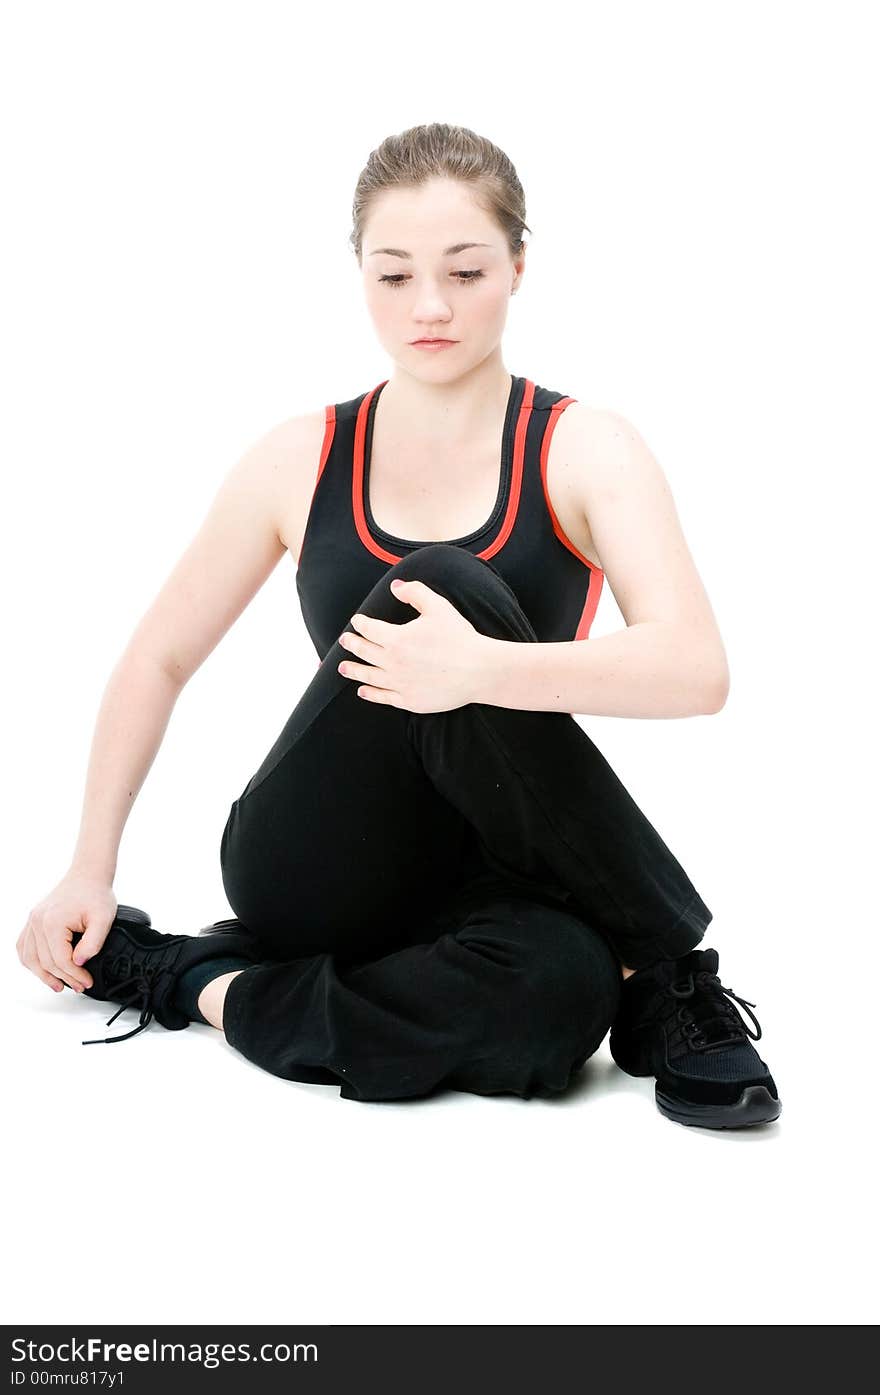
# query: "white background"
[177,279]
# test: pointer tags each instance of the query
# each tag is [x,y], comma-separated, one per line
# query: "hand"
[45,946]
[431,664]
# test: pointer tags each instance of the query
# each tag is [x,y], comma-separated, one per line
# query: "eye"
[398,279]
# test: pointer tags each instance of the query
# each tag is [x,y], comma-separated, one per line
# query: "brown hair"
[413,156]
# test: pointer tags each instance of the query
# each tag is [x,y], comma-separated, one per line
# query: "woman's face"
[422,290]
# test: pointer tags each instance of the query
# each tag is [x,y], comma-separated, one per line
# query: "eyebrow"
[447,251]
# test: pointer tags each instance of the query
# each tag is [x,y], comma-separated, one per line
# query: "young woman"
[437,878]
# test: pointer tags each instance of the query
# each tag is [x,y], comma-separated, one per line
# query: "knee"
[471,584]
[563,980]
[456,573]
[574,979]
[442,562]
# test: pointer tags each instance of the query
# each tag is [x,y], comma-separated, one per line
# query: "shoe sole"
[131,915]
[223,927]
[755,1105]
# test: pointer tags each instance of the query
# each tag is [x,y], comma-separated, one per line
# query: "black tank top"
[344,553]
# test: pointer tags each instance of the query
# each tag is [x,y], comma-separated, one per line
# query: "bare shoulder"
[287,457]
[584,459]
[603,439]
[603,455]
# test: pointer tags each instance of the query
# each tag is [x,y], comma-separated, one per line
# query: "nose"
[430,309]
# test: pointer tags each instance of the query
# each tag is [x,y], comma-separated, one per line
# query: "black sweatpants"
[440,899]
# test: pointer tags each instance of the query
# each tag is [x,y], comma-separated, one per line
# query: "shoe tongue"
[709,960]
[697,961]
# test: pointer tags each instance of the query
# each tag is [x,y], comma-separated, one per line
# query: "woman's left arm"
[670,660]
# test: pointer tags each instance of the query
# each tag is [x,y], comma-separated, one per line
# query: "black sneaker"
[677,1022]
[139,966]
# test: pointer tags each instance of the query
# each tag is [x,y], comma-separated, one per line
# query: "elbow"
[712,681]
[716,695]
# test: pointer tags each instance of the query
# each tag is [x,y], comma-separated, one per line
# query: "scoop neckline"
[504,477]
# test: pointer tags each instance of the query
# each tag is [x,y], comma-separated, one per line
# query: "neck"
[446,413]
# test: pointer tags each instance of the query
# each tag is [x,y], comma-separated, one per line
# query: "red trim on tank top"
[329,431]
[513,496]
[329,428]
[516,474]
[555,412]
[357,480]
[594,587]
[594,590]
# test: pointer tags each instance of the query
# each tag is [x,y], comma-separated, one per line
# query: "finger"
[376,630]
[91,941]
[27,940]
[364,648]
[55,984]
[415,593]
[360,672]
[31,960]
[383,695]
[62,955]
[44,957]
[22,941]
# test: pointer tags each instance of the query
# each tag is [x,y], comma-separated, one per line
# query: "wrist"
[94,869]
[489,669]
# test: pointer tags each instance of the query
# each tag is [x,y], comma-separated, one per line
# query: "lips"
[433,341]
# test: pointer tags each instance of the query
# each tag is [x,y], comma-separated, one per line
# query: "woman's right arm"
[235,550]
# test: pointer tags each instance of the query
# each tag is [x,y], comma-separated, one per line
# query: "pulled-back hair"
[420,153]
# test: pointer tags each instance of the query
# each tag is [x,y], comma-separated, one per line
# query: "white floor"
[167,1179]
